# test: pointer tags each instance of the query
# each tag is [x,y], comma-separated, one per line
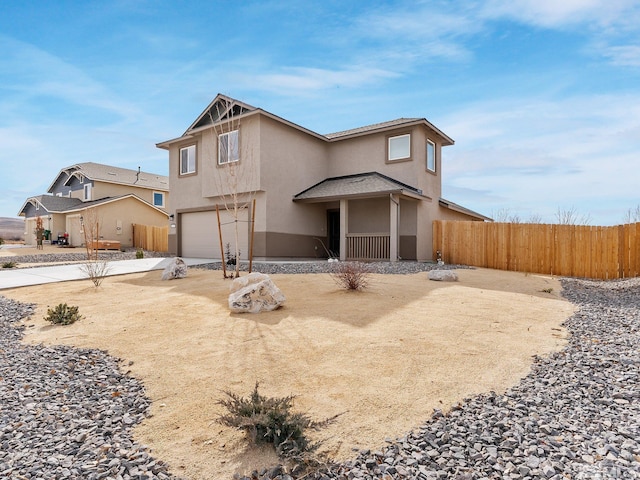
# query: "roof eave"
[354,196]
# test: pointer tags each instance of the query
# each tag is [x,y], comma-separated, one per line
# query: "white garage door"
[200,234]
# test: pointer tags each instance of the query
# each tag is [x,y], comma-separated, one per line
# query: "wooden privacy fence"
[565,250]
[148,237]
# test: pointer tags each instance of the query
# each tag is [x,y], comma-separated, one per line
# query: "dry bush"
[351,275]
[271,420]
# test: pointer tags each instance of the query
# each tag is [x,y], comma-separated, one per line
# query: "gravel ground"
[68,413]
[79,255]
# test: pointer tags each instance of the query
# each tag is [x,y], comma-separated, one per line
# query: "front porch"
[370,217]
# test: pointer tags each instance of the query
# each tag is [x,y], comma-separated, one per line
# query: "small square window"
[431,156]
[188,160]
[228,150]
[400,147]
[158,199]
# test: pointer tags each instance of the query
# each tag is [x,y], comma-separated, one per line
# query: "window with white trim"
[87,191]
[399,147]
[188,160]
[431,156]
[158,199]
[228,150]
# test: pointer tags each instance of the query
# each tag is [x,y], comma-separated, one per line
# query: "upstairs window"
[431,156]
[188,160]
[158,199]
[87,192]
[399,147]
[228,150]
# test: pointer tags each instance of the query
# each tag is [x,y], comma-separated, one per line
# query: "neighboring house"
[368,193]
[117,197]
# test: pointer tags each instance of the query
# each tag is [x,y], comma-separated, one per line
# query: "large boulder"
[254,293]
[443,275]
[176,269]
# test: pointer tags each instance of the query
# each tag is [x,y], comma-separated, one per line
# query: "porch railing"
[368,246]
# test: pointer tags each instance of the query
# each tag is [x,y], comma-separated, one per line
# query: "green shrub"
[270,420]
[1,241]
[9,265]
[63,315]
[351,275]
[139,253]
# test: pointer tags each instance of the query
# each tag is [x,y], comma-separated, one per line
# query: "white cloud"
[299,80]
[37,74]
[554,13]
[536,155]
[622,55]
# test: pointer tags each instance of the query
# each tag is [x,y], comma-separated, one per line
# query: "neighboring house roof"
[358,185]
[55,204]
[109,174]
[51,203]
[458,208]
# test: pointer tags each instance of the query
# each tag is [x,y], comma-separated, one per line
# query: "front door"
[333,231]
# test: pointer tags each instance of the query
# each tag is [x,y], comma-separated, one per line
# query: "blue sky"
[542,97]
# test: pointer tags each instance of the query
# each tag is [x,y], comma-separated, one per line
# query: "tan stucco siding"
[102,190]
[116,219]
[291,163]
[369,154]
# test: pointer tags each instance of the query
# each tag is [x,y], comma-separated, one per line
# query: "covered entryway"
[199,238]
[370,223]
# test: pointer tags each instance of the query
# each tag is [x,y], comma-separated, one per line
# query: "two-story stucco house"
[120,197]
[370,193]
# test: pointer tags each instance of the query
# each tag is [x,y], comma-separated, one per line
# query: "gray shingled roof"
[376,126]
[363,184]
[54,204]
[122,176]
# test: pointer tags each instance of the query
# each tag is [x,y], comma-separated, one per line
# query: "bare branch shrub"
[95,268]
[632,215]
[570,216]
[351,275]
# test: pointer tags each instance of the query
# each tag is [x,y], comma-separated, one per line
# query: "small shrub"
[547,290]
[63,315]
[1,241]
[9,265]
[351,275]
[230,257]
[139,253]
[270,420]
[96,270]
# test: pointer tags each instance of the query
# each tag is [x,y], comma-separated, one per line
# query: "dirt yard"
[386,357]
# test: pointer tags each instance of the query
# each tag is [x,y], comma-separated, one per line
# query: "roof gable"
[221,109]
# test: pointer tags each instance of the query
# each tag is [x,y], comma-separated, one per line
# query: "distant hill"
[11,229]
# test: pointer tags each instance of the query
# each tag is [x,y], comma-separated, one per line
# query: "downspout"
[397,226]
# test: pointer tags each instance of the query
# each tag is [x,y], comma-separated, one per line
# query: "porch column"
[344,221]
[394,206]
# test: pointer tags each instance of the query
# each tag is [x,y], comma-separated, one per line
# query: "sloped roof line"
[336,136]
[459,208]
[116,175]
[361,184]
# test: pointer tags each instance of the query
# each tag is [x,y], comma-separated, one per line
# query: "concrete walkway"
[22,277]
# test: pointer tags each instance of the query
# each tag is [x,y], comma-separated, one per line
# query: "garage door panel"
[199,234]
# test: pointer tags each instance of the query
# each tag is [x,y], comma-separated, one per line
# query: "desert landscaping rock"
[254,293]
[443,276]
[175,270]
